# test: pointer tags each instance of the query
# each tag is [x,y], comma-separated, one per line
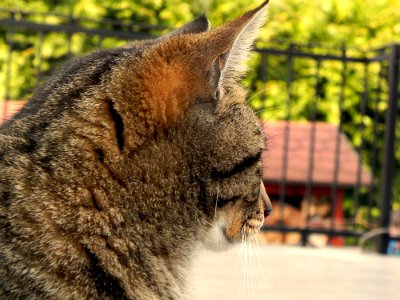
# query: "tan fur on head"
[170,80]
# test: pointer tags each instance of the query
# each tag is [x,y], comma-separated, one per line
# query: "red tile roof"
[9,108]
[299,158]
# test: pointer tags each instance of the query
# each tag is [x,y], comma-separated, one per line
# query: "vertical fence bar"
[373,161]
[361,127]
[69,46]
[310,171]
[282,185]
[338,141]
[388,159]
[263,75]
[71,21]
[38,55]
[99,42]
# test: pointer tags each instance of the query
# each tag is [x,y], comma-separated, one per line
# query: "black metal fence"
[356,91]
[363,87]
[33,44]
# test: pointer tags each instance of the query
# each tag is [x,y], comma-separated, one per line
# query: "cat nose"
[266,200]
[268,207]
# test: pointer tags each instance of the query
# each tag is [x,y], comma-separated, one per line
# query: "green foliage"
[358,23]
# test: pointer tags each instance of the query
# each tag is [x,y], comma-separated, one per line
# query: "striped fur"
[125,162]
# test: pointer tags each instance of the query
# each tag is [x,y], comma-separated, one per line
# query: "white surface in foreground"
[294,273]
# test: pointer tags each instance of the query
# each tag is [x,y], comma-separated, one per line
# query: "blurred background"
[324,80]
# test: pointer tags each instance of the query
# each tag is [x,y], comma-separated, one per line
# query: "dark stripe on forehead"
[119,125]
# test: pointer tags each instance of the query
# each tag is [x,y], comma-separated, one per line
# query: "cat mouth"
[222,236]
[251,228]
[248,230]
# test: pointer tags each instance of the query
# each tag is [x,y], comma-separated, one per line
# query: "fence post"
[388,159]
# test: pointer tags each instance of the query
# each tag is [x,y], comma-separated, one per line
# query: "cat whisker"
[256,94]
[269,118]
[219,241]
[260,278]
[268,279]
[237,261]
[246,262]
[255,241]
[267,109]
[242,258]
[252,268]
[216,204]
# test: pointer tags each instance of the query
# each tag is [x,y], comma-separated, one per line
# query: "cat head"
[189,65]
[187,84]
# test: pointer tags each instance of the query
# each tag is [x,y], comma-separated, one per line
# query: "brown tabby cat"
[125,161]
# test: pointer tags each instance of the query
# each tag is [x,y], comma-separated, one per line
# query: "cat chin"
[216,239]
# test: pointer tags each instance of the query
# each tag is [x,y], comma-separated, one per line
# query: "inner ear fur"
[230,45]
[171,78]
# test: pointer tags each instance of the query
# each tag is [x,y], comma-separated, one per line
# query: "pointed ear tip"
[264,3]
[203,20]
[202,17]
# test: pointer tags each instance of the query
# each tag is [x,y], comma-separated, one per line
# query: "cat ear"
[201,24]
[231,44]
[184,67]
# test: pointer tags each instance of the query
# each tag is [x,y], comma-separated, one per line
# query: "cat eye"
[224,201]
[239,167]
